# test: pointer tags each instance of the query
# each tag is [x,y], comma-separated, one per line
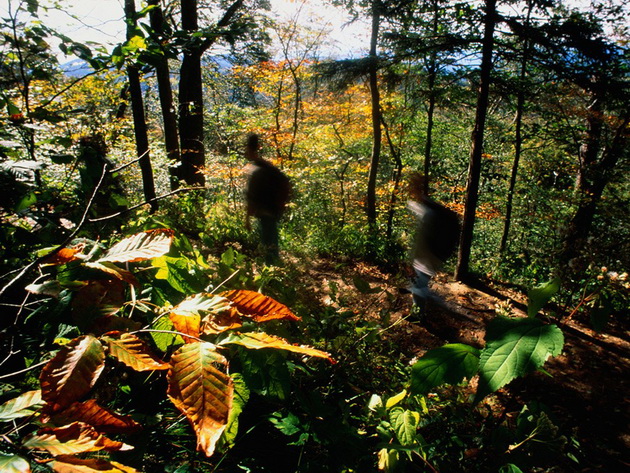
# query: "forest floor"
[587,391]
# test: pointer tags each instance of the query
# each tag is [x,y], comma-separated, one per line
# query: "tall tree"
[376,112]
[165,92]
[137,107]
[474,166]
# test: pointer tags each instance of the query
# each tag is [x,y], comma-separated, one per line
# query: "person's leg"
[269,238]
[420,291]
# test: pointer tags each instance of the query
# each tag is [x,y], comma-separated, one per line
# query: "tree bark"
[139,122]
[474,167]
[165,93]
[376,116]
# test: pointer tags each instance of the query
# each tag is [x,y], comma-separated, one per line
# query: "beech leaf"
[70,439]
[22,406]
[133,352]
[207,309]
[13,464]
[258,340]
[69,464]
[200,388]
[102,419]
[140,247]
[259,307]
[72,372]
[110,268]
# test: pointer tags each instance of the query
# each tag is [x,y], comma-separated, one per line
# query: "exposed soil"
[588,387]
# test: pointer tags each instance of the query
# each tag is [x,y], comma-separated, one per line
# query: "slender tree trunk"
[376,116]
[191,104]
[165,92]
[432,68]
[139,122]
[474,167]
[518,139]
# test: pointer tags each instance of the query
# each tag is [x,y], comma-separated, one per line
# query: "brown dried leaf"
[259,307]
[72,372]
[200,388]
[63,256]
[69,464]
[207,310]
[70,439]
[133,352]
[103,420]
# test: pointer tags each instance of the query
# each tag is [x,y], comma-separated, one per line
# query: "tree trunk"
[474,167]
[165,92]
[191,104]
[139,122]
[376,117]
[432,69]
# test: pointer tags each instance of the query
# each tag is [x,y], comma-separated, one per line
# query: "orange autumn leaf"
[201,389]
[70,439]
[63,256]
[102,419]
[258,340]
[70,464]
[203,313]
[133,352]
[72,372]
[259,307]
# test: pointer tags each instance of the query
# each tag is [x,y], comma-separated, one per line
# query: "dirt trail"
[588,387]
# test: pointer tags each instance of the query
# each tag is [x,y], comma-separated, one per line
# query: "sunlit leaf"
[540,295]
[450,364]
[140,247]
[69,464]
[72,372]
[110,268]
[103,420]
[22,406]
[63,256]
[200,388]
[258,306]
[513,348]
[133,352]
[13,464]
[257,340]
[47,288]
[163,338]
[70,439]
[207,309]
[405,424]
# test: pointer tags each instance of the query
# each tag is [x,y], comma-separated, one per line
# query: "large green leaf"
[72,372]
[515,347]
[448,364]
[14,464]
[405,424]
[200,388]
[22,406]
[540,295]
[140,247]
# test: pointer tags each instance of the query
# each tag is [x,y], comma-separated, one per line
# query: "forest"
[143,327]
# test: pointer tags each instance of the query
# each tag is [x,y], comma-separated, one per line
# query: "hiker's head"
[252,145]
[416,186]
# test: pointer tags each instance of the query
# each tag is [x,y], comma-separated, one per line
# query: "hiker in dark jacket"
[435,239]
[266,195]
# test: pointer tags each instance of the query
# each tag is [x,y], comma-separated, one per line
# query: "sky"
[102,21]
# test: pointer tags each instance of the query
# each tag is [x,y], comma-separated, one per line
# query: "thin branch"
[155,199]
[25,370]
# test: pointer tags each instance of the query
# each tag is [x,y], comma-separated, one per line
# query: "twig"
[32,367]
[155,199]
[123,166]
[68,239]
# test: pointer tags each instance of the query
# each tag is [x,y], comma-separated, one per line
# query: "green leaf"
[362,285]
[448,364]
[22,406]
[163,340]
[600,315]
[405,424]
[176,271]
[14,464]
[392,401]
[540,295]
[510,468]
[26,201]
[241,396]
[515,347]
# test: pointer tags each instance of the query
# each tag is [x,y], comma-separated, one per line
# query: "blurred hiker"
[266,195]
[436,237]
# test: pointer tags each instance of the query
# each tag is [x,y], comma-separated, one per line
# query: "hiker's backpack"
[443,233]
